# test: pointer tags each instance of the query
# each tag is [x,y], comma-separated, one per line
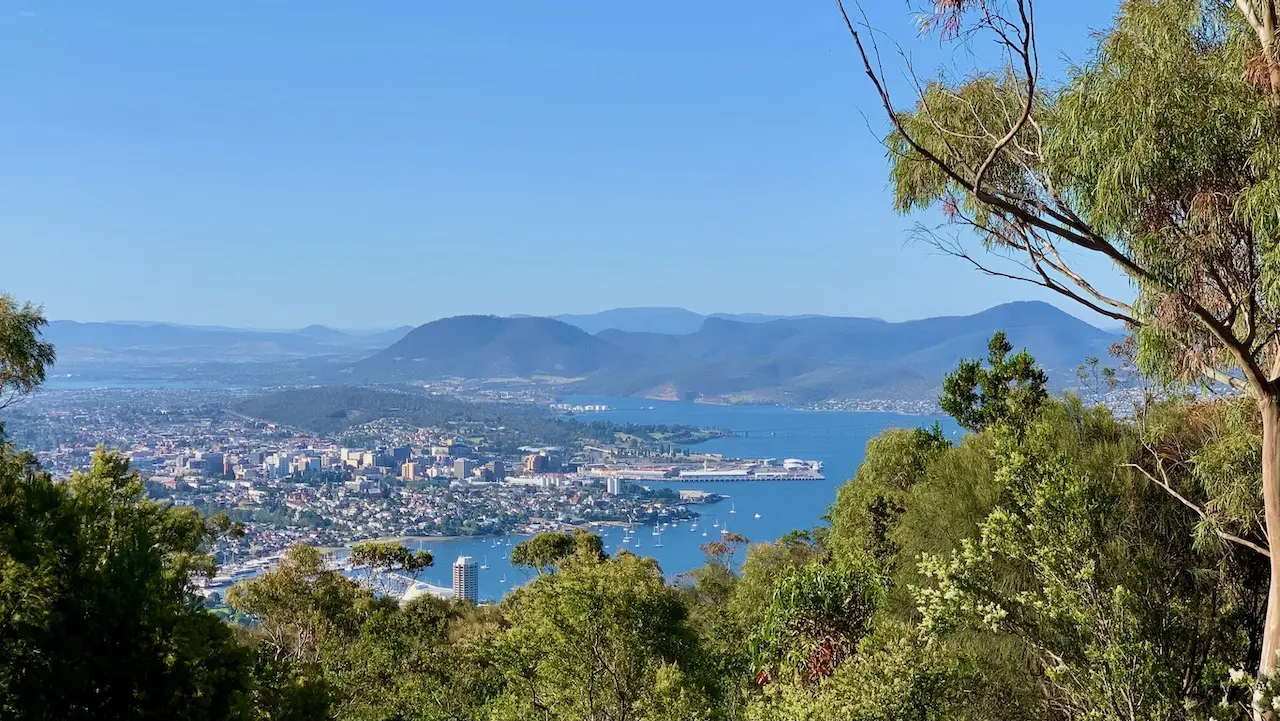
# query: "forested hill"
[331,410]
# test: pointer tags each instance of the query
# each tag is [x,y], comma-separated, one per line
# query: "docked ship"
[792,469]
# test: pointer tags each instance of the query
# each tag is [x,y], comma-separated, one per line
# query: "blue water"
[838,439]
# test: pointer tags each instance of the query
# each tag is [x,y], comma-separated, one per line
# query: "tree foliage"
[600,640]
[550,549]
[24,358]
[1009,390]
[97,614]
[1160,155]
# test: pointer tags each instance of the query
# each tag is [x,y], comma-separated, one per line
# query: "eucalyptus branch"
[1168,487]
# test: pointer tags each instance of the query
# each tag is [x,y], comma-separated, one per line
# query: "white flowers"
[1237,675]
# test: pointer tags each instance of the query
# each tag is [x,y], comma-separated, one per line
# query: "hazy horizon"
[1091,319]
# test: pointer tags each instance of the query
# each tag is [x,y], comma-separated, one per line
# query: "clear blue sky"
[275,164]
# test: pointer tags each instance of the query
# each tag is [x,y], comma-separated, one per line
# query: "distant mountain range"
[675,321]
[653,352]
[794,360]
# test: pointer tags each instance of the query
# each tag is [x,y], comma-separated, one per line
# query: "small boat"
[704,534]
[757,515]
[716,524]
[732,509]
[485,565]
[626,539]
[503,579]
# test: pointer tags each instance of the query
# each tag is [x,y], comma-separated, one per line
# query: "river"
[838,439]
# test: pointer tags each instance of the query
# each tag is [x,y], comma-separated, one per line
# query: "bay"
[836,438]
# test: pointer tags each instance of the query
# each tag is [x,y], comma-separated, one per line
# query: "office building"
[466,579]
[536,463]
[613,486]
[213,464]
[401,454]
[462,468]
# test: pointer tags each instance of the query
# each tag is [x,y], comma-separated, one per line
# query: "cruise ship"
[793,469]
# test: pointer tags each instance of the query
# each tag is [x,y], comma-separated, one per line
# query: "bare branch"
[1028,66]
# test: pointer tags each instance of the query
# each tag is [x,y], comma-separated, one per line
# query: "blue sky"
[370,164]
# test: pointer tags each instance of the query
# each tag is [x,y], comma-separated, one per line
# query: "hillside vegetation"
[331,410]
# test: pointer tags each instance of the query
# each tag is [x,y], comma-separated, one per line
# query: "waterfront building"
[466,579]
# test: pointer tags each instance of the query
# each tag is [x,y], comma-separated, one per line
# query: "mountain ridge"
[797,360]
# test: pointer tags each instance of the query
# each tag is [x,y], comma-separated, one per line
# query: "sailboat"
[655,530]
[716,524]
[732,508]
[484,566]
[757,515]
[659,543]
[704,534]
[503,579]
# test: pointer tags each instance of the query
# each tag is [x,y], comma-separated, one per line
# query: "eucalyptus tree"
[1159,154]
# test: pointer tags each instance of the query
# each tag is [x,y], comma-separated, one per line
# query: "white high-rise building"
[466,579]
[613,485]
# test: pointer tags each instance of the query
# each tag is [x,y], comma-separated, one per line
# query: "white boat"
[732,508]
[485,565]
[503,579]
[704,534]
[757,515]
[716,524]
